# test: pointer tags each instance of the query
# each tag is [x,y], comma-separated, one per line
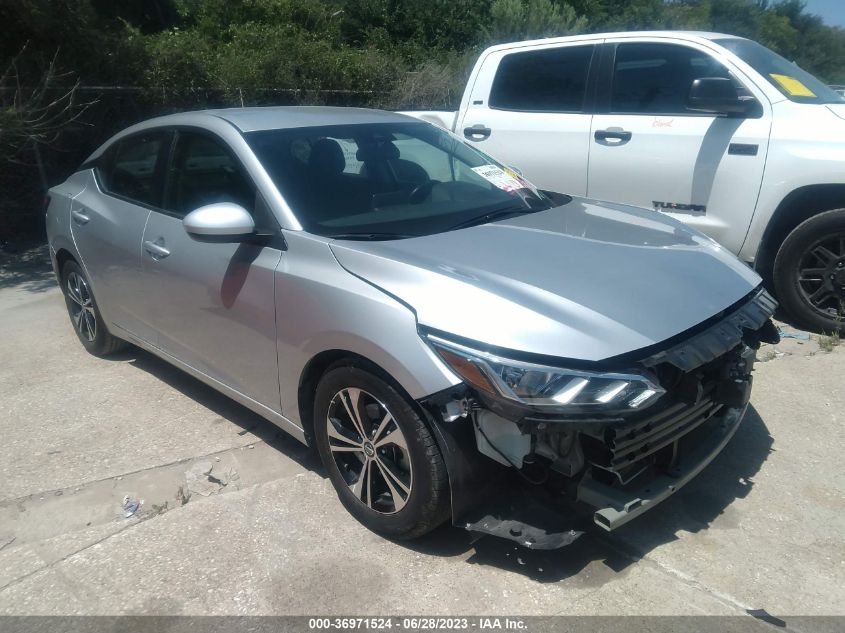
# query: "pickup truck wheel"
[84,314]
[809,273]
[381,458]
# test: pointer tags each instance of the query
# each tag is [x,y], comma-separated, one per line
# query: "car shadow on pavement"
[704,504]
[221,405]
[26,267]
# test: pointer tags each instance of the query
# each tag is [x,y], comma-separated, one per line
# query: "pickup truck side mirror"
[718,95]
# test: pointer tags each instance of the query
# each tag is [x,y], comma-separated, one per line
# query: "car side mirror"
[219,222]
[718,95]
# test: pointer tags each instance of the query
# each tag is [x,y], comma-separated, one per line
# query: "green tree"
[520,19]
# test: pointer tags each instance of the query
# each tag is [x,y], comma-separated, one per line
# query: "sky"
[832,11]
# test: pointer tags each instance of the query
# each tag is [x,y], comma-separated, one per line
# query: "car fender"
[320,307]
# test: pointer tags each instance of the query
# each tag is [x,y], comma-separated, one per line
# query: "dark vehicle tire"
[809,273]
[381,458]
[84,314]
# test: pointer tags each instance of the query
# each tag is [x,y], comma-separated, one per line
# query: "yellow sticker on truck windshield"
[794,87]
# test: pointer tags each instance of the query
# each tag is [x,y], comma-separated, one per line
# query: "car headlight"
[548,388]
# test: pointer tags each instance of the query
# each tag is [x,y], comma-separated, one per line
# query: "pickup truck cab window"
[548,80]
[654,78]
[533,106]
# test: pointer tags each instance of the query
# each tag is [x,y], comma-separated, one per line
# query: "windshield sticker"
[792,86]
[499,178]
[525,184]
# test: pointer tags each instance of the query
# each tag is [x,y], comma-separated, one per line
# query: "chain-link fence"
[35,168]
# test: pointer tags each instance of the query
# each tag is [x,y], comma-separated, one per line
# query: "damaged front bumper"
[614,507]
[615,467]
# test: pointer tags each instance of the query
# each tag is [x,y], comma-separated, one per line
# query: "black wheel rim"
[821,276]
[369,450]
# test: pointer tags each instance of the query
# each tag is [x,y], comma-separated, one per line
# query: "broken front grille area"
[704,377]
[625,449]
[706,380]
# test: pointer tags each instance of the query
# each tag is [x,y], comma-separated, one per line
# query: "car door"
[107,223]
[528,110]
[650,150]
[213,303]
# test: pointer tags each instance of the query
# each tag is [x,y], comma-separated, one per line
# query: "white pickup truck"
[712,129]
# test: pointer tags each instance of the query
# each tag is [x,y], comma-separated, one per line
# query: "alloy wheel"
[821,276]
[81,307]
[369,450]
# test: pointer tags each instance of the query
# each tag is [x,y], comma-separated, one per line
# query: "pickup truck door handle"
[477,132]
[613,133]
[79,217]
[156,250]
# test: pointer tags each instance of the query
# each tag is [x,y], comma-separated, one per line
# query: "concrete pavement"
[263,533]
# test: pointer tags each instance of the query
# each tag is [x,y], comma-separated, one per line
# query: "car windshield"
[389,180]
[796,84]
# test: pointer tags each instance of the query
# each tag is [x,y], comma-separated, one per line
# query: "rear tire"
[809,273]
[383,462]
[84,313]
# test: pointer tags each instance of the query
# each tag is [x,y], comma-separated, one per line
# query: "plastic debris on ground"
[798,336]
[131,506]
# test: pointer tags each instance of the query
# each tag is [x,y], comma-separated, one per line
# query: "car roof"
[263,118]
[283,117]
[251,119]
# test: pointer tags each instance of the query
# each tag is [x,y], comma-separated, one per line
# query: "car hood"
[585,280]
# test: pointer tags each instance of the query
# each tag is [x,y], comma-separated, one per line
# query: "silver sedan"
[447,335]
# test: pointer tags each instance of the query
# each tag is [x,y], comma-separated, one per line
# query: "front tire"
[380,456]
[809,273]
[84,314]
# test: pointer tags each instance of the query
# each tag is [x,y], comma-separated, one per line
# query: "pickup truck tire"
[809,273]
[387,446]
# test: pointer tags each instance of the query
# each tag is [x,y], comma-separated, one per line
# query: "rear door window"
[548,80]
[132,169]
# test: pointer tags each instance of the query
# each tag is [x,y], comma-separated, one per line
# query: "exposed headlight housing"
[545,388]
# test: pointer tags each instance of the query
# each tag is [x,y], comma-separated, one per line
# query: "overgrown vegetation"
[35,114]
[137,58]
[828,341]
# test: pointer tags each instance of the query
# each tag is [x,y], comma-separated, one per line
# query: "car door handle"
[79,217]
[477,132]
[614,134]
[156,250]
